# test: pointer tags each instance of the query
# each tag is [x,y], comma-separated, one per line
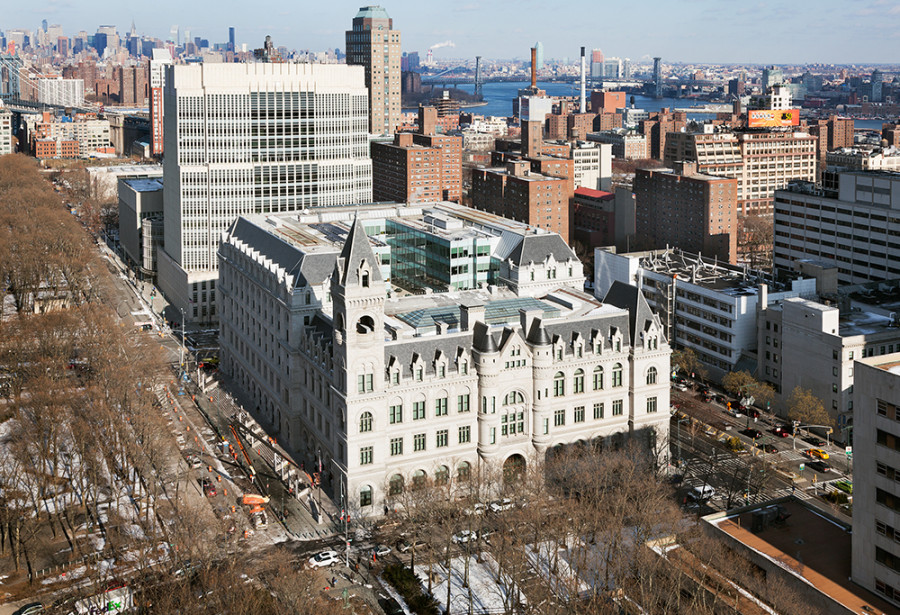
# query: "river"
[499,95]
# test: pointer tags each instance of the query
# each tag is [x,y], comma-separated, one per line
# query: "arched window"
[419,479]
[365,325]
[617,375]
[513,397]
[463,470]
[395,487]
[559,384]
[598,378]
[442,475]
[365,422]
[651,375]
[579,381]
[365,495]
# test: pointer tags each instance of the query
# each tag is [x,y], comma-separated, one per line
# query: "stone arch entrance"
[513,468]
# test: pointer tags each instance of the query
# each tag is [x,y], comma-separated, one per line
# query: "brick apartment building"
[405,172]
[833,133]
[519,193]
[762,162]
[418,167]
[658,126]
[693,211]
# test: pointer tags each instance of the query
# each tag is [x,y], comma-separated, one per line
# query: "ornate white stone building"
[384,385]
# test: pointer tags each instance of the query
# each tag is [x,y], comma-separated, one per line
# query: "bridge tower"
[479,78]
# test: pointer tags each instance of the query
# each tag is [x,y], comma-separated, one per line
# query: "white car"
[465,536]
[500,505]
[325,558]
[475,510]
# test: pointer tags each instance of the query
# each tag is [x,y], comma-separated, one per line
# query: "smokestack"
[533,68]
[583,107]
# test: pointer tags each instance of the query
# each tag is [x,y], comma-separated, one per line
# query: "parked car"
[770,448]
[817,453]
[819,466]
[701,493]
[752,433]
[404,545]
[381,550]
[325,558]
[193,460]
[477,509]
[465,536]
[813,440]
[782,430]
[679,386]
[500,505]
[30,609]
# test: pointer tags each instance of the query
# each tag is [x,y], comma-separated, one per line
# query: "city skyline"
[756,34]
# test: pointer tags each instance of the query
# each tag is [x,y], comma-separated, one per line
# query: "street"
[715,446]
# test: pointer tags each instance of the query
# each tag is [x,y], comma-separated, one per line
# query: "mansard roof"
[630,298]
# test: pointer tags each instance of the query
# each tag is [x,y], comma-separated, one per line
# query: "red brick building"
[405,172]
[56,148]
[833,133]
[594,217]
[658,126]
[607,102]
[693,211]
[519,193]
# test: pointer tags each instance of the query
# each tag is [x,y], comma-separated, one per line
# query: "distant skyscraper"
[217,167]
[231,39]
[596,64]
[160,59]
[539,46]
[375,45]
[44,24]
[173,35]
[657,77]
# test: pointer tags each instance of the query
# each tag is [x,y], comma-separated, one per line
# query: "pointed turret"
[357,259]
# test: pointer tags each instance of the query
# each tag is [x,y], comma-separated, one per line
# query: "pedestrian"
[333,581]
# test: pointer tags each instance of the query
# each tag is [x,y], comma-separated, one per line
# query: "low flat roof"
[145,185]
[810,546]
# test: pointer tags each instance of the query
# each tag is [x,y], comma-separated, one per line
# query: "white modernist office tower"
[382,387]
[253,138]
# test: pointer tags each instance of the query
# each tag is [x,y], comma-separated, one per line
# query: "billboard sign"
[773,118]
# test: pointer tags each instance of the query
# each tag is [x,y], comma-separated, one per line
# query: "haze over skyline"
[702,31]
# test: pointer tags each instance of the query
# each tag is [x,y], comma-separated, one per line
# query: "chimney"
[583,107]
[534,68]
[469,315]
[526,317]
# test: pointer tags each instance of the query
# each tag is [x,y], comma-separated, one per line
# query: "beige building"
[876,481]
[865,158]
[375,45]
[762,162]
[384,389]
[804,343]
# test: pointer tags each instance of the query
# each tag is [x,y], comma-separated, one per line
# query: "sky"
[701,31]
